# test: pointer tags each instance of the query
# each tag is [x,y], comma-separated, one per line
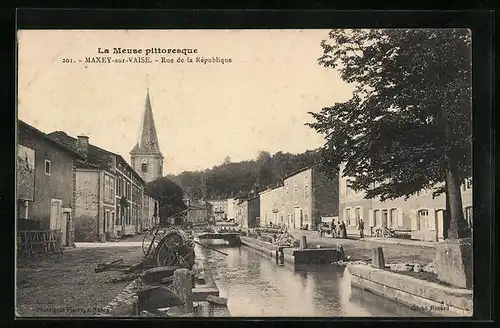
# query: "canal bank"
[415,293]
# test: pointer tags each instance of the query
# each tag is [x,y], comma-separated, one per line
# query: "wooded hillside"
[236,179]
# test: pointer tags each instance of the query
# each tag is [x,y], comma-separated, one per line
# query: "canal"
[256,286]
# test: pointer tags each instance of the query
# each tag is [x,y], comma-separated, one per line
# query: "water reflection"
[256,286]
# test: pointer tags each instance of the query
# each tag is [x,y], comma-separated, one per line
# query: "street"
[67,285]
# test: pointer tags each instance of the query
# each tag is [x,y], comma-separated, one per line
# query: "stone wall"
[87,205]
[420,295]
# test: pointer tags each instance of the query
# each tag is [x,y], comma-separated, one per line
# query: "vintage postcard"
[244,173]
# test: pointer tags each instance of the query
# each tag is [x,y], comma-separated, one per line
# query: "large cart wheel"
[175,249]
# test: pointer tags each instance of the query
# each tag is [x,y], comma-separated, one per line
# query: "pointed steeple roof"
[148,140]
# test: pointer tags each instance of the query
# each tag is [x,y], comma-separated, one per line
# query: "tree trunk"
[458,225]
[446,218]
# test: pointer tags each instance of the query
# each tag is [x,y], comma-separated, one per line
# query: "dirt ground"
[66,285]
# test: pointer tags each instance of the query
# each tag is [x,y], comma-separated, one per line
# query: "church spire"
[148,140]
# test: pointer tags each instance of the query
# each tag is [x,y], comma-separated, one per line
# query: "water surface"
[256,286]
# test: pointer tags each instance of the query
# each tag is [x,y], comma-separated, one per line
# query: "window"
[468,216]
[393,218]
[47,167]
[112,189]
[112,219]
[423,217]
[348,216]
[377,218]
[108,188]
[385,218]
[357,215]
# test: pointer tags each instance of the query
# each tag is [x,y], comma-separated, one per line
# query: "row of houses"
[300,202]
[84,191]
[421,215]
[307,197]
[88,193]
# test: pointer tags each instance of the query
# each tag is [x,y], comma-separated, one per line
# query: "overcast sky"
[203,113]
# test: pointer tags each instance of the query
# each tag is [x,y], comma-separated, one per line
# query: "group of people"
[338,230]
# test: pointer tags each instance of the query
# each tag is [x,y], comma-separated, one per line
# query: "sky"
[203,112]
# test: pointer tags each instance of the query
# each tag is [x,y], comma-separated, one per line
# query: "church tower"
[146,157]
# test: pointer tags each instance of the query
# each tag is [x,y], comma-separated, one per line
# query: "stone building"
[199,212]
[308,195]
[109,192]
[248,211]
[353,206]
[146,157]
[219,209]
[151,210]
[230,208]
[421,215]
[272,206]
[45,183]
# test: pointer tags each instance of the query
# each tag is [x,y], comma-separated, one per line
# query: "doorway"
[297,217]
[55,214]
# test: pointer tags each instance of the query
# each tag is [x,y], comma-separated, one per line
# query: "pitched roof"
[299,171]
[148,139]
[62,146]
[96,157]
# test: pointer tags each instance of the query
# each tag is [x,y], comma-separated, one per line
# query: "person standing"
[361,228]
[343,231]
[333,228]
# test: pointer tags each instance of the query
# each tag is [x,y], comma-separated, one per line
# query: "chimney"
[82,145]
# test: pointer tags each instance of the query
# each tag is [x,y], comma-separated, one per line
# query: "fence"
[32,243]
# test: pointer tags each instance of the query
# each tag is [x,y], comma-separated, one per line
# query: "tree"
[408,124]
[227,160]
[169,196]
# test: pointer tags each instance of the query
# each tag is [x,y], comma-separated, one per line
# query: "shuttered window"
[357,215]
[348,216]
[393,218]
[400,217]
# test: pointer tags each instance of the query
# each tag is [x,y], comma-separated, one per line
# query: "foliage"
[235,179]
[168,194]
[409,85]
